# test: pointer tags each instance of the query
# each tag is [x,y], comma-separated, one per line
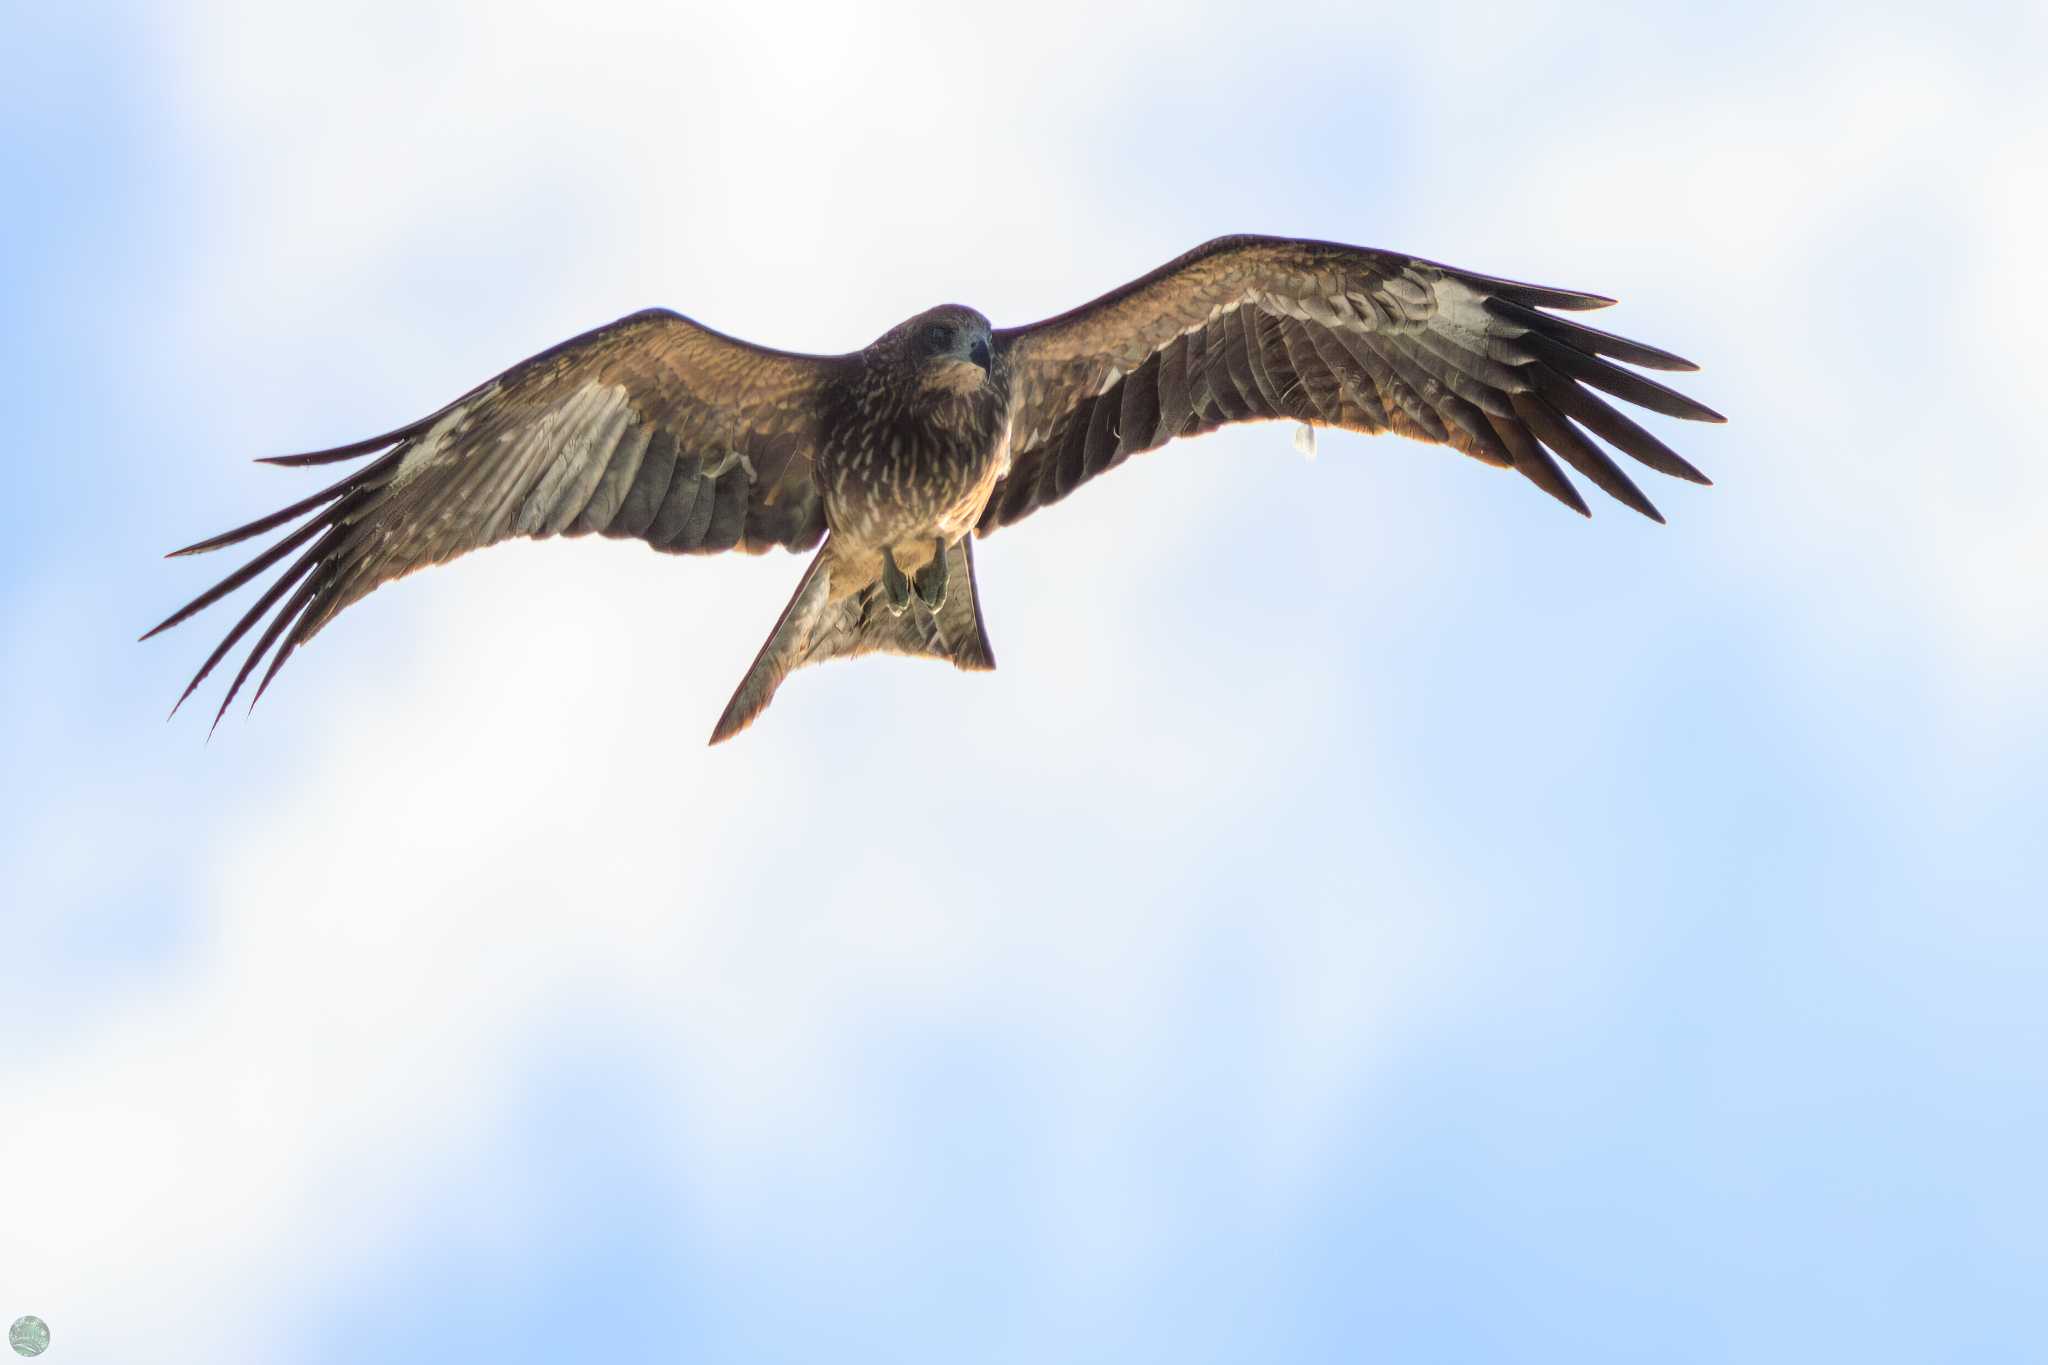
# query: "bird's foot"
[931,579]
[895,587]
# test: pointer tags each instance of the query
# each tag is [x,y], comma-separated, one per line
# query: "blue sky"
[1370,913]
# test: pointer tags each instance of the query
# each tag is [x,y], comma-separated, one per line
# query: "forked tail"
[814,628]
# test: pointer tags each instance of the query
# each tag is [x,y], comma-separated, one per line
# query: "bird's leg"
[895,587]
[931,579]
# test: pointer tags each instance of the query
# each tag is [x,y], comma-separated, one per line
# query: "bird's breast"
[916,474]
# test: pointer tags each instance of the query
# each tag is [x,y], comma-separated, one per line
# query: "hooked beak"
[978,353]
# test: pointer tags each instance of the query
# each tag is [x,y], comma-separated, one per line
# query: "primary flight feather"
[895,455]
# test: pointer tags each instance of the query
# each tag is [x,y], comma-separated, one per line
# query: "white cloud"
[480,824]
[1849,234]
[488,822]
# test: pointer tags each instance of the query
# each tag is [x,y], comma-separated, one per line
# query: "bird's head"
[949,348]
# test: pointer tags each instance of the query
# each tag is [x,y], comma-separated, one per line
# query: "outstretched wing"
[1255,328]
[652,427]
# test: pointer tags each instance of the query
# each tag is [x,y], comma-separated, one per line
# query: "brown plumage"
[662,430]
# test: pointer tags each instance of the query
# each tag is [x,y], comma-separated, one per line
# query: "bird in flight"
[892,459]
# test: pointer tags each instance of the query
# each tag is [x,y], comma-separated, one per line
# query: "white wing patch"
[572,445]
[428,448]
[1458,309]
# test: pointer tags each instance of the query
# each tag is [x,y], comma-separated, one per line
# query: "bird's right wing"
[651,427]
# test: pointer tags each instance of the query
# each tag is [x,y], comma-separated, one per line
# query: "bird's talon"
[931,579]
[895,587]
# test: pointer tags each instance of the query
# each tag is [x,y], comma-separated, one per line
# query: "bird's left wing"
[1259,328]
[652,427]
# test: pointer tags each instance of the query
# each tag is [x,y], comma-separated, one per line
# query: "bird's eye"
[938,336]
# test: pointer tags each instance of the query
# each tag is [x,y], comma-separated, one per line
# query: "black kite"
[659,429]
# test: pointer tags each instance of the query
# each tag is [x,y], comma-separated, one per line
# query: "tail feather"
[813,628]
[781,653]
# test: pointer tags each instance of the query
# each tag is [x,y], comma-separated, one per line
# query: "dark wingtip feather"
[1591,340]
[1554,430]
[240,576]
[355,449]
[1621,432]
[256,653]
[295,611]
[1543,296]
[1569,300]
[299,569]
[1534,463]
[359,479]
[200,547]
[1521,291]
[1624,384]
